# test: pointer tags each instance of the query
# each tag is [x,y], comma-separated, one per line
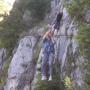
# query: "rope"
[63,35]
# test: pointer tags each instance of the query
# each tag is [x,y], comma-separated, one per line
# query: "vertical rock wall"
[22,67]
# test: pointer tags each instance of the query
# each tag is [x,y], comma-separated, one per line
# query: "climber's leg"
[51,59]
[43,66]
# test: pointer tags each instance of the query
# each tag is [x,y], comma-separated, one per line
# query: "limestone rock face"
[21,70]
[87,16]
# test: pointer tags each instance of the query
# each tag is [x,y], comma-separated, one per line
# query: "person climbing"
[56,25]
[48,55]
[55,28]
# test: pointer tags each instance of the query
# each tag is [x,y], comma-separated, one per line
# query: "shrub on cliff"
[38,8]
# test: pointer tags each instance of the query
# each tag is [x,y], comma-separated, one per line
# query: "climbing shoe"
[50,78]
[44,78]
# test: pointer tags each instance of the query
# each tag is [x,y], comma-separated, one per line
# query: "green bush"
[10,29]
[84,39]
[55,84]
[77,9]
[39,8]
[8,39]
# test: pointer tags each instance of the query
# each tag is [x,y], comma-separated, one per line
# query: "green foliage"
[77,8]
[84,39]
[3,73]
[49,85]
[38,8]
[13,25]
[55,84]
[8,39]
[10,28]
[68,83]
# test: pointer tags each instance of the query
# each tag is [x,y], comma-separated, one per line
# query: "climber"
[48,54]
[56,24]
[55,28]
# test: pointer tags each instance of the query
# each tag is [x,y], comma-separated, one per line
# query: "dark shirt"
[57,21]
[59,17]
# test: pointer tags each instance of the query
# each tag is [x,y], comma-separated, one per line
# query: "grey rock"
[21,70]
[87,16]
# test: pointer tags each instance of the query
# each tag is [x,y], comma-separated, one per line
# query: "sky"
[5,7]
[9,3]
